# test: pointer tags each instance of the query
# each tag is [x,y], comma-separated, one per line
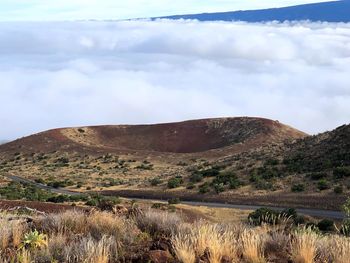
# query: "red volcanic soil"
[194,136]
[40,206]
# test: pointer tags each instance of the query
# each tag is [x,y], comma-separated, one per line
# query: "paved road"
[304,211]
[42,186]
[311,212]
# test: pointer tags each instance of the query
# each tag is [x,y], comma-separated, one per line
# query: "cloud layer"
[89,73]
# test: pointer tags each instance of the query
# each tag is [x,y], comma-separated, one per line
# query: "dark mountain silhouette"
[335,11]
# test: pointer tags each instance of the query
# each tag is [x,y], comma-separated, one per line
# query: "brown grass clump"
[304,246]
[66,222]
[11,233]
[253,246]
[18,228]
[157,222]
[4,235]
[90,251]
[335,249]
[213,241]
[103,223]
[184,248]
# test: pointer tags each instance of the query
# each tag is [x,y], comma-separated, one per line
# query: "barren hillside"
[182,137]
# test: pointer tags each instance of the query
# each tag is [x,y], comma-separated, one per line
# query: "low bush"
[174,201]
[341,172]
[190,186]
[196,177]
[263,215]
[338,189]
[326,225]
[204,188]
[155,181]
[298,188]
[175,182]
[317,176]
[322,185]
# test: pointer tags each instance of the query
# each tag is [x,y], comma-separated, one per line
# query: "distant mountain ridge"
[334,11]
[3,141]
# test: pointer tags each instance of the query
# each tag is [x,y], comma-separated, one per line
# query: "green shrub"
[39,181]
[219,188]
[338,189]
[264,185]
[211,172]
[341,172]
[263,215]
[158,205]
[326,225]
[317,176]
[204,188]
[298,188]
[144,166]
[155,181]
[58,199]
[17,191]
[289,212]
[322,185]
[271,162]
[174,201]
[196,177]
[175,182]
[107,203]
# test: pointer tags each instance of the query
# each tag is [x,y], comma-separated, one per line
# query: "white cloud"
[87,73]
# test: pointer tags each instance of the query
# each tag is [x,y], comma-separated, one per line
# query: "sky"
[44,10]
[61,74]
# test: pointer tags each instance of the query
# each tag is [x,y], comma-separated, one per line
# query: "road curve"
[41,186]
[338,215]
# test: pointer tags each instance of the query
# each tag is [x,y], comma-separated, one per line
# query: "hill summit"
[193,136]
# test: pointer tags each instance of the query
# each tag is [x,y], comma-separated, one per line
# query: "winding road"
[337,215]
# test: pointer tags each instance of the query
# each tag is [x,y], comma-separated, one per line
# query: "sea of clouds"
[58,74]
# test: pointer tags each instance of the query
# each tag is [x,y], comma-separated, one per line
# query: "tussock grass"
[304,246]
[90,250]
[253,244]
[11,233]
[214,241]
[157,222]
[334,249]
[184,248]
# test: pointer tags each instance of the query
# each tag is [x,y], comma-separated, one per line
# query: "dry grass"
[253,244]
[184,248]
[334,249]
[304,246]
[102,237]
[203,239]
[91,251]
[157,222]
[11,232]
[66,222]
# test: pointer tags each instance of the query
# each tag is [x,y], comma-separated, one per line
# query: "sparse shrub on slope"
[175,182]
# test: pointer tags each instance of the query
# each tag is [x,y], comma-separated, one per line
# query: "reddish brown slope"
[197,136]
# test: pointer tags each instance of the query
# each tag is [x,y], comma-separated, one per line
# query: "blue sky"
[34,10]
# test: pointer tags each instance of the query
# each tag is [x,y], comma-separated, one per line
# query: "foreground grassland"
[167,233]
